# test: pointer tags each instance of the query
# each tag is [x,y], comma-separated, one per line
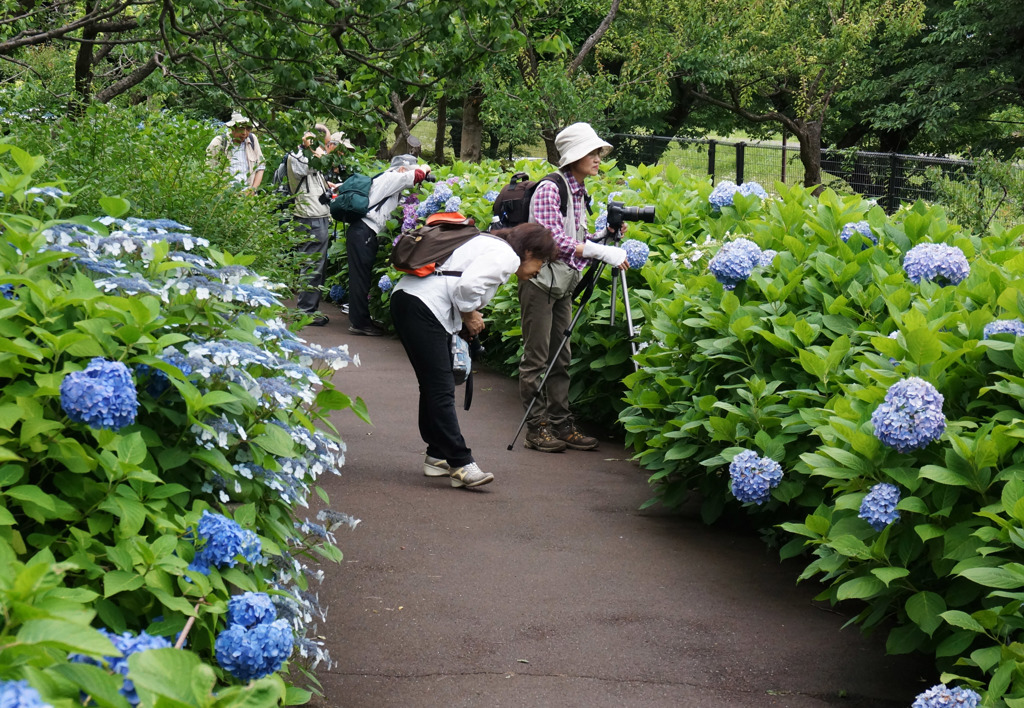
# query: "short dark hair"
[531,237]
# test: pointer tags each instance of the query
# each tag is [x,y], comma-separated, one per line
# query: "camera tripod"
[584,291]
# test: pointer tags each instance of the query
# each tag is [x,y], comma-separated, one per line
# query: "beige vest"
[558,279]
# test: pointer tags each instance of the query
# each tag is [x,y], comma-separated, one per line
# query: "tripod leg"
[629,318]
[615,287]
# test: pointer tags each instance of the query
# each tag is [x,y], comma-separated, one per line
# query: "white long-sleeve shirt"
[486,263]
[387,186]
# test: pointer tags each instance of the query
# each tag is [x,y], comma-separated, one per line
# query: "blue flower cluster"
[911,415]
[734,262]
[941,697]
[1014,327]
[767,257]
[437,201]
[879,506]
[7,290]
[336,293]
[249,654]
[637,252]
[250,609]
[18,694]
[491,195]
[936,261]
[385,284]
[453,204]
[601,223]
[753,477]
[223,540]
[127,644]
[101,396]
[722,195]
[858,227]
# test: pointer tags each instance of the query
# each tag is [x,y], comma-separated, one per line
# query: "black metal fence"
[890,178]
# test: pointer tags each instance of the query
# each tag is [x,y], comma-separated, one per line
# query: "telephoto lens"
[618,212]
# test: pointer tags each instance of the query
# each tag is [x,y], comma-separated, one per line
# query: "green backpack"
[352,201]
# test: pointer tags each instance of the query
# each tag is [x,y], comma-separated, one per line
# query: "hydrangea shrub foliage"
[161,434]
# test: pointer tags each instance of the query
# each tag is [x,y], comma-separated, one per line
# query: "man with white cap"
[545,301]
[245,159]
[361,238]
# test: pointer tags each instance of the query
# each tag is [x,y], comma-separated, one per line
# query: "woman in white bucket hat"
[545,301]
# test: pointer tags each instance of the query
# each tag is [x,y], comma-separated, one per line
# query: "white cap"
[340,139]
[577,141]
[238,119]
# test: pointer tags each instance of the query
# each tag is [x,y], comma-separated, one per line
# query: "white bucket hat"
[340,139]
[577,141]
[238,119]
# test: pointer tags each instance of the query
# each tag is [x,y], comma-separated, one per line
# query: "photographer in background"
[545,301]
[361,238]
[311,213]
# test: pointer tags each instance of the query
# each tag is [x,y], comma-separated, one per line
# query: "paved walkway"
[548,587]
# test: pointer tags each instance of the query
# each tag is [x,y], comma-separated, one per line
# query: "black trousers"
[429,347]
[361,249]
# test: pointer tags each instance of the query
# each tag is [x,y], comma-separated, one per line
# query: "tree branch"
[594,38]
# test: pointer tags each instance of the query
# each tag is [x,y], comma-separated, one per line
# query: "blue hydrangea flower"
[601,223]
[734,262]
[127,644]
[101,396]
[222,541]
[385,283]
[879,506]
[491,195]
[1014,327]
[936,261]
[767,257]
[249,654]
[941,697]
[18,694]
[336,293]
[7,290]
[860,227]
[250,609]
[911,415]
[637,252]
[453,204]
[442,193]
[753,477]
[748,188]
[721,195]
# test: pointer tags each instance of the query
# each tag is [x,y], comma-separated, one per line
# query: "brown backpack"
[421,250]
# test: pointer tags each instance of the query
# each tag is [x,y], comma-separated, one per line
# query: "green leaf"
[115,206]
[994,578]
[887,575]
[121,581]
[962,620]
[924,609]
[860,588]
[944,476]
[923,346]
[67,636]
[103,687]
[165,673]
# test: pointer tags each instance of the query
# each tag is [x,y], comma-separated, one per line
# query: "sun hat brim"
[583,145]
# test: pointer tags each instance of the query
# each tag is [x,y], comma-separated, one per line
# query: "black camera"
[325,198]
[618,212]
[430,177]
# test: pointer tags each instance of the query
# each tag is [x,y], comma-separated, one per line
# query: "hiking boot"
[470,476]
[370,330]
[573,438]
[540,438]
[435,467]
[319,321]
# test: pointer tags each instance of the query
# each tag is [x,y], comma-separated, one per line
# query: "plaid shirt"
[547,211]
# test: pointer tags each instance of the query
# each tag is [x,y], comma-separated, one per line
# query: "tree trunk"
[442,126]
[809,135]
[83,70]
[472,128]
[548,134]
[401,145]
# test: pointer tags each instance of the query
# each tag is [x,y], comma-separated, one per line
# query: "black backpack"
[420,250]
[512,205]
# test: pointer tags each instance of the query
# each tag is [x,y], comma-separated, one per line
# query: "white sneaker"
[470,476]
[435,467]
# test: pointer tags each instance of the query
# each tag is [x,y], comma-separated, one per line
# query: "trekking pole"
[587,284]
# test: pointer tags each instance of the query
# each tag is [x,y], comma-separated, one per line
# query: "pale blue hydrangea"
[250,609]
[385,283]
[637,252]
[442,193]
[911,415]
[127,644]
[7,290]
[491,195]
[249,654]
[936,261]
[220,541]
[860,227]
[767,257]
[941,697]
[734,262]
[453,204]
[879,506]
[601,223]
[753,477]
[1014,327]
[19,694]
[101,396]
[721,195]
[336,293]
[748,188]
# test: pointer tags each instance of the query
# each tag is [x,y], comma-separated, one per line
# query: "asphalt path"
[549,587]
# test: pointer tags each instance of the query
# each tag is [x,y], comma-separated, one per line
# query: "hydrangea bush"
[162,432]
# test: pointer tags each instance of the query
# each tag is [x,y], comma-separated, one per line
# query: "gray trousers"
[313,275]
[544,321]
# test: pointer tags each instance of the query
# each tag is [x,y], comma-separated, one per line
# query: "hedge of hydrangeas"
[162,429]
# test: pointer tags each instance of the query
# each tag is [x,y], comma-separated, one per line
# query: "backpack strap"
[563,192]
[378,205]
